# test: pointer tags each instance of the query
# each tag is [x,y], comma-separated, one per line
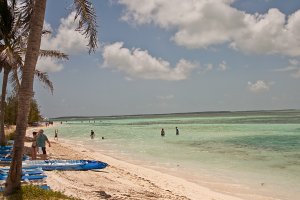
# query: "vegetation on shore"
[11,109]
[31,192]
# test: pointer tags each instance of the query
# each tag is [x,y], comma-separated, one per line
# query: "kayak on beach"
[50,165]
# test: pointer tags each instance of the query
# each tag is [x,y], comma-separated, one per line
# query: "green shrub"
[32,192]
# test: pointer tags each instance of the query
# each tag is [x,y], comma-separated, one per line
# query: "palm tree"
[6,71]
[7,57]
[87,26]
[12,47]
[9,51]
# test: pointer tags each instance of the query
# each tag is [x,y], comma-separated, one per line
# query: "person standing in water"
[56,134]
[177,131]
[92,134]
[162,133]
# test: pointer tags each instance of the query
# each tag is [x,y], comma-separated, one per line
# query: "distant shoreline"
[204,113]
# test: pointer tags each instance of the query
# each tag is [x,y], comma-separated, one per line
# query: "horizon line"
[176,113]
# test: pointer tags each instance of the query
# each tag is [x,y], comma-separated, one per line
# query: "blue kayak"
[5,150]
[7,160]
[6,147]
[35,171]
[26,177]
[50,165]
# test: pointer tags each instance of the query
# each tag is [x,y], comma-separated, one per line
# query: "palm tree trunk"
[2,111]
[13,182]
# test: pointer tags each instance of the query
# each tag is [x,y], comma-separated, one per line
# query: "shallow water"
[248,152]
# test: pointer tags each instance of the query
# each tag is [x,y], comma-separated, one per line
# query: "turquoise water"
[254,151]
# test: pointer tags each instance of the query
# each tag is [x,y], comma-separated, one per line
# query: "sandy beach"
[120,180]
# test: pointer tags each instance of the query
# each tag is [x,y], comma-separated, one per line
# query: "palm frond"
[11,56]
[14,80]
[18,59]
[13,4]
[54,54]
[43,77]
[2,47]
[25,10]
[17,23]
[87,22]
[45,32]
[20,43]
[6,19]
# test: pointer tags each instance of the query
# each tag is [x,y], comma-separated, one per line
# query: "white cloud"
[166,97]
[259,86]
[223,66]
[49,65]
[293,68]
[205,68]
[209,67]
[202,23]
[137,63]
[66,40]
[294,62]
[296,74]
[286,69]
[270,33]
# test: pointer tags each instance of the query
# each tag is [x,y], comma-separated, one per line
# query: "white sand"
[120,180]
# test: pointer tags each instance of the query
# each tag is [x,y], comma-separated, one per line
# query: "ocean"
[254,154]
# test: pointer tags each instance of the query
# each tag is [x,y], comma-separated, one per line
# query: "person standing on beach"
[177,131]
[41,142]
[162,133]
[33,146]
[92,134]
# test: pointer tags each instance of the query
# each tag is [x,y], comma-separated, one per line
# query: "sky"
[170,56]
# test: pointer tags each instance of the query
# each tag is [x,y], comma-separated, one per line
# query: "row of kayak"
[5,158]
[5,155]
[33,170]
[49,165]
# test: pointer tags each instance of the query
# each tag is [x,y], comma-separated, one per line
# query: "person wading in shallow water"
[56,134]
[162,133]
[177,131]
[92,134]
